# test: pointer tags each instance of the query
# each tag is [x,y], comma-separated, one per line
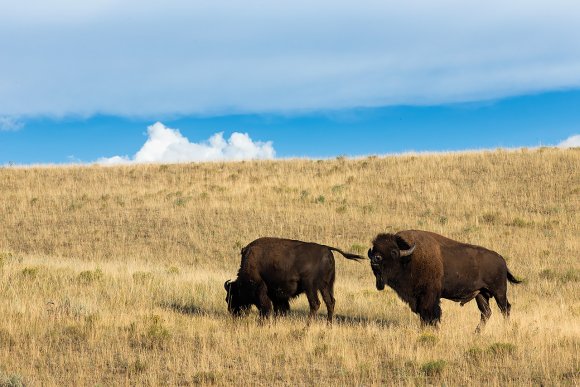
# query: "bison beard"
[423,267]
[274,270]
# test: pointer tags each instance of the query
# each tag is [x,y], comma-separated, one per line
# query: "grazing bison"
[423,267]
[274,270]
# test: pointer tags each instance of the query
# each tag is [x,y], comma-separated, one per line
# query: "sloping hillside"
[114,275]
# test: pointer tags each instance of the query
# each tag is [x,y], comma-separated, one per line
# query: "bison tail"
[354,257]
[512,279]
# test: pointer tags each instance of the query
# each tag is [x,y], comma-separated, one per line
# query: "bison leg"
[503,304]
[313,301]
[482,300]
[264,302]
[328,297]
[281,307]
[429,309]
[499,292]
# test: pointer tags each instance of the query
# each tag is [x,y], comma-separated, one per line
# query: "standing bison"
[423,267]
[274,270]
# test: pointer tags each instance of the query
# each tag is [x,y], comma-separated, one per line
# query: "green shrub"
[29,272]
[470,229]
[297,334]
[571,376]
[358,249]
[368,209]
[69,335]
[427,339]
[156,335]
[205,378]
[489,218]
[6,339]
[501,349]
[142,277]
[172,270]
[337,188]
[320,349]
[11,380]
[138,366]
[570,275]
[519,222]
[4,258]
[474,353]
[90,276]
[433,368]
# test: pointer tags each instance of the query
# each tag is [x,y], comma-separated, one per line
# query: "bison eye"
[375,259]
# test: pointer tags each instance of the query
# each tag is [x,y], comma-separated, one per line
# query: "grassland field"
[114,275]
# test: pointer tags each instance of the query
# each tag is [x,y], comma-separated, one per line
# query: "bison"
[274,270]
[422,267]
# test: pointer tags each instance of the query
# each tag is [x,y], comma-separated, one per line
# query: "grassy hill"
[114,275]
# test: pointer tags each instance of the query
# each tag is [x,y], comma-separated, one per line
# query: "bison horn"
[226,284]
[406,253]
[369,253]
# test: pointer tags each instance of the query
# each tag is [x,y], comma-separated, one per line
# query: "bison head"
[236,298]
[388,254]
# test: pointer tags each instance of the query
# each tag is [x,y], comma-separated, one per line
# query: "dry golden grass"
[114,276]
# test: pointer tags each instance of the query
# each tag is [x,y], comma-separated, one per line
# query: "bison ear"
[401,243]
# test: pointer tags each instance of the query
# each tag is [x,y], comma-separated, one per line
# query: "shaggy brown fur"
[439,267]
[274,270]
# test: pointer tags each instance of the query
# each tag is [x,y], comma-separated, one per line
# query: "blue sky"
[538,120]
[87,81]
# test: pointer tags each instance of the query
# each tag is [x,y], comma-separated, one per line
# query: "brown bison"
[274,270]
[423,267]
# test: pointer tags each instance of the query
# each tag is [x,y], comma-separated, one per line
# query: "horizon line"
[410,153]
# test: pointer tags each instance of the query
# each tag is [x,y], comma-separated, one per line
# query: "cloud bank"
[166,145]
[210,57]
[570,142]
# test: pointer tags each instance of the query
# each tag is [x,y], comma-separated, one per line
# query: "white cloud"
[10,124]
[204,57]
[570,142]
[115,160]
[168,145]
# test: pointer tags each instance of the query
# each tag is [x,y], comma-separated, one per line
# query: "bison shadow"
[360,320]
[301,315]
[193,310]
[340,319]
